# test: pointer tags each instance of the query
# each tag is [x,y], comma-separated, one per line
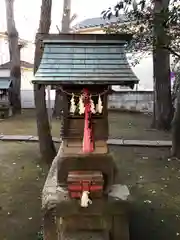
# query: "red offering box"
[79,181]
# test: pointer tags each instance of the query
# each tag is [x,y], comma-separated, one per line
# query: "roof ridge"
[98,21]
[6,65]
[4,34]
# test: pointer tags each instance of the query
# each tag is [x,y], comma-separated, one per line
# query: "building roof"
[98,22]
[23,64]
[5,35]
[5,83]
[85,59]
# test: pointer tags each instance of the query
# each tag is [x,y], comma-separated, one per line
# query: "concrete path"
[26,138]
[119,142]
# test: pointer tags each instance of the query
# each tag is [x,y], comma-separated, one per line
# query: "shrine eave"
[84,59]
[107,82]
[74,37]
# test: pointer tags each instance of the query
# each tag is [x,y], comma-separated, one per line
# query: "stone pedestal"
[64,218]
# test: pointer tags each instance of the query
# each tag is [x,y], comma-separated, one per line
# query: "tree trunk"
[176,122]
[153,123]
[46,144]
[66,18]
[163,108]
[14,52]
[65,29]
[47,147]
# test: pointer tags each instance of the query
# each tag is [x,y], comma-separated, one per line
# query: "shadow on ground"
[153,179]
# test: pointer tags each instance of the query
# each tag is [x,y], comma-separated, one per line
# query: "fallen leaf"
[147,201]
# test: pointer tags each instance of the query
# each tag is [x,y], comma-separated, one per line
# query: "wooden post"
[49,110]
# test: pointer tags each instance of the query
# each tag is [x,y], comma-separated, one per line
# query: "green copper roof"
[4,83]
[80,61]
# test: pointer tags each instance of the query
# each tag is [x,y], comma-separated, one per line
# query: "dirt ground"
[153,179]
[123,125]
[21,181]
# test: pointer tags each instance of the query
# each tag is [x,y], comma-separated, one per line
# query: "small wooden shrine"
[5,106]
[85,195]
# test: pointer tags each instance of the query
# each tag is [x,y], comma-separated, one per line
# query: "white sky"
[27,13]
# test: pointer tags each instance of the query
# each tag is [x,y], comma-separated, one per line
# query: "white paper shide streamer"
[85,201]
[73,105]
[92,106]
[81,105]
[99,106]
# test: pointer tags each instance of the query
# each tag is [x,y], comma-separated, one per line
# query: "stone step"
[83,235]
[148,143]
